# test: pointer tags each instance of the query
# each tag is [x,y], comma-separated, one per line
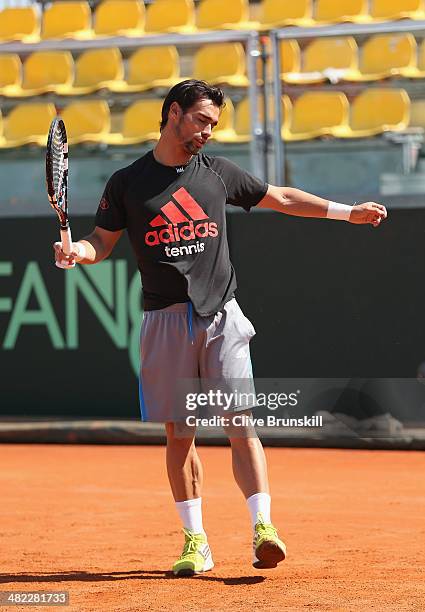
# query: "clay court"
[99,522]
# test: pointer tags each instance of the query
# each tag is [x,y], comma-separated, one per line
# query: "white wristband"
[341,212]
[81,250]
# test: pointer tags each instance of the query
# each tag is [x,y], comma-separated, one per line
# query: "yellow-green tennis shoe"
[196,556]
[269,550]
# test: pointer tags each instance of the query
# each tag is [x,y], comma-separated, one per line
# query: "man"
[172,203]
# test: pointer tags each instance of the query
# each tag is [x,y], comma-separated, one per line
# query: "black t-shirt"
[175,218]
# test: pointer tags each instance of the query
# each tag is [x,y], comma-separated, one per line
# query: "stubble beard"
[187,145]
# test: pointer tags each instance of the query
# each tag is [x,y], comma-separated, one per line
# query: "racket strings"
[59,162]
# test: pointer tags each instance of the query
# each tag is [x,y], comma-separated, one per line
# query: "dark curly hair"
[187,93]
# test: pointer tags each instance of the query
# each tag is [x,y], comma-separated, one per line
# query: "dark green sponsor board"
[69,340]
[328,300]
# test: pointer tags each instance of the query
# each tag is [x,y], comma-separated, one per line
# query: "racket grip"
[66,240]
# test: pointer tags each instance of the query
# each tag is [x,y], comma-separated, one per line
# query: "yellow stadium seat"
[290,61]
[386,55]
[140,123]
[224,14]
[417,114]
[44,71]
[286,116]
[67,20]
[150,67]
[421,60]
[221,63]
[275,13]
[95,69]
[332,59]
[243,120]
[28,124]
[119,18]
[316,114]
[339,11]
[375,111]
[10,74]
[87,121]
[224,130]
[2,139]
[397,9]
[290,58]
[171,16]
[243,123]
[20,24]
[236,126]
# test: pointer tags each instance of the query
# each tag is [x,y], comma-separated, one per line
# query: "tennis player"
[172,203]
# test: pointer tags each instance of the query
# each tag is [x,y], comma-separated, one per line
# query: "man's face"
[194,127]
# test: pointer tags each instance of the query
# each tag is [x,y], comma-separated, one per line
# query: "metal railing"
[249,38]
[316,32]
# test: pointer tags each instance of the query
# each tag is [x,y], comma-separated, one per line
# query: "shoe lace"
[191,543]
[265,529]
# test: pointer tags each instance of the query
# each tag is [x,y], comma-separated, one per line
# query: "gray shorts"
[178,345]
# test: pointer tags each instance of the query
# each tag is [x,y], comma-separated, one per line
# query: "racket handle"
[66,240]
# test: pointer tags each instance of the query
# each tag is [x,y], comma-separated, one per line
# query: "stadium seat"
[148,68]
[87,121]
[386,55]
[95,69]
[28,124]
[397,9]
[224,14]
[421,60]
[224,130]
[275,13]
[119,18]
[44,71]
[290,58]
[243,123]
[332,59]
[10,74]
[2,139]
[375,111]
[140,123]
[171,16]
[417,114]
[221,63]
[67,20]
[340,11]
[316,114]
[20,24]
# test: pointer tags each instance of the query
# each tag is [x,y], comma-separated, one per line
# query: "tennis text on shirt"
[189,222]
[176,222]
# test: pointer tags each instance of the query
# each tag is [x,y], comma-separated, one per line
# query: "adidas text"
[172,233]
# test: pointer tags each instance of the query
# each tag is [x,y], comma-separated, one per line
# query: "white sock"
[190,512]
[259,502]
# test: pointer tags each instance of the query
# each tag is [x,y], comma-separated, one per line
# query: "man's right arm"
[89,250]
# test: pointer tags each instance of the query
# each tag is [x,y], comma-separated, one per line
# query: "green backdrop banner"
[328,300]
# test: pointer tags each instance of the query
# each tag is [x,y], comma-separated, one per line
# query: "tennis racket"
[57,182]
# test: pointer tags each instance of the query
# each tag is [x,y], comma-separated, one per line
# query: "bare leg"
[184,467]
[248,460]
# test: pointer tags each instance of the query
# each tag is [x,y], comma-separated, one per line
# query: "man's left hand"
[369,212]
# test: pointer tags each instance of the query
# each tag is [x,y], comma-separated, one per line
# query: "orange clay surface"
[99,522]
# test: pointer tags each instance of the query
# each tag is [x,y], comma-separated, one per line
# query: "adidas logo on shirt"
[184,222]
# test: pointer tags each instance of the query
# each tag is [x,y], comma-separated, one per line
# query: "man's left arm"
[302,204]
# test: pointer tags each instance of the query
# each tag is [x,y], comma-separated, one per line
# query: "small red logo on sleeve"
[104,205]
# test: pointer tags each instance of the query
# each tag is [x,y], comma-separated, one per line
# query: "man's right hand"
[68,261]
